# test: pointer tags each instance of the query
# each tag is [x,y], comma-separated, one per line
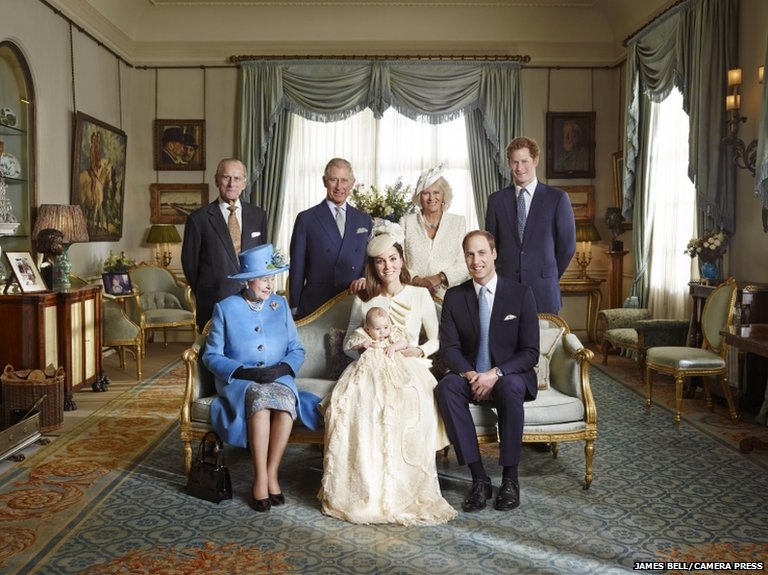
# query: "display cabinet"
[17,151]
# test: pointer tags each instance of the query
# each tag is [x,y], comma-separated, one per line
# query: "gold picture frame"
[583,202]
[25,271]
[172,203]
[179,145]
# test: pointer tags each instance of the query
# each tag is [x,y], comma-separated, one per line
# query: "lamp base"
[61,268]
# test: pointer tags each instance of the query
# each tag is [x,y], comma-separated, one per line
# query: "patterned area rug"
[112,501]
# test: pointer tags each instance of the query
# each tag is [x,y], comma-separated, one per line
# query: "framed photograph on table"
[179,145]
[98,176]
[117,283]
[570,144]
[25,272]
[172,203]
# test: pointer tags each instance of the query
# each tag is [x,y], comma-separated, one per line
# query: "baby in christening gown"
[375,469]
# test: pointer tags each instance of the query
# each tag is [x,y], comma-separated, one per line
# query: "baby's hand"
[391,349]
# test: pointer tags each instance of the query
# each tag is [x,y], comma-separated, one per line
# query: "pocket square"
[255,234]
[362,230]
[509,317]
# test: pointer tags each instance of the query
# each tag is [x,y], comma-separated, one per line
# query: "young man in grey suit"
[328,244]
[489,341]
[535,242]
[209,252]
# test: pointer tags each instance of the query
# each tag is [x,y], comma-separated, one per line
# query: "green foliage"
[118,263]
[391,204]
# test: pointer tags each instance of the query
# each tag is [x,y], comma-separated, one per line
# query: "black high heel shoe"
[260,505]
[277,499]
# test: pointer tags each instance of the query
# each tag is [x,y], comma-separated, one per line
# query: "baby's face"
[378,328]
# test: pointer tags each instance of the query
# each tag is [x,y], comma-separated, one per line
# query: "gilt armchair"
[160,302]
[120,333]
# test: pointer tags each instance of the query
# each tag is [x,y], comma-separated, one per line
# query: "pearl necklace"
[254,305]
[429,224]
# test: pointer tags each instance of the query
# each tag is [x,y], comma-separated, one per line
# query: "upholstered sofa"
[563,411]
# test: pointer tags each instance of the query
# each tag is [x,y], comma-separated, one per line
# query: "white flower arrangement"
[711,246]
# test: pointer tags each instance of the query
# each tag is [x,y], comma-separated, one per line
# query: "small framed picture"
[172,203]
[117,283]
[583,202]
[25,271]
[179,144]
[570,144]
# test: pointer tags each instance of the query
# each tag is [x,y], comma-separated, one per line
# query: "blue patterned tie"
[521,215]
[483,362]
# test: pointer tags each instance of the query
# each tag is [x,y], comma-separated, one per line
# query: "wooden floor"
[89,401]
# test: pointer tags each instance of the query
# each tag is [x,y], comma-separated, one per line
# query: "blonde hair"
[443,186]
[375,312]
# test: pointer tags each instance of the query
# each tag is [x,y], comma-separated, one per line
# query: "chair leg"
[648,387]
[554,449]
[678,398]
[139,351]
[735,415]
[605,347]
[589,453]
[708,394]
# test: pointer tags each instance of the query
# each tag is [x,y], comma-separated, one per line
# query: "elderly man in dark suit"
[328,244]
[489,341]
[534,227]
[215,235]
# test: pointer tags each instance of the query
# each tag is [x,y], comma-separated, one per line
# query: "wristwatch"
[499,373]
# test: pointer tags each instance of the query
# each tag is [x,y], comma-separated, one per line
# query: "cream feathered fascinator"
[427,178]
[385,235]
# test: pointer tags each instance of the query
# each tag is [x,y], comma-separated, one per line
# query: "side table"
[589,287]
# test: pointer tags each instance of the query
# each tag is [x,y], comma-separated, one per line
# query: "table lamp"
[163,235]
[586,233]
[69,220]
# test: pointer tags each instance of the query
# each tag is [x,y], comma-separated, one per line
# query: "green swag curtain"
[761,172]
[692,46]
[486,93]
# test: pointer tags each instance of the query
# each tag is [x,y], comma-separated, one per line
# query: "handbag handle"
[217,449]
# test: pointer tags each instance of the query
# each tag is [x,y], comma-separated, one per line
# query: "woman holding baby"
[381,423]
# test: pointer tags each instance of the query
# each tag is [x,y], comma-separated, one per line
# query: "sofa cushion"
[338,360]
[548,340]
[551,406]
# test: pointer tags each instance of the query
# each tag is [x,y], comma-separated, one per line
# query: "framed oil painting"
[172,203]
[179,144]
[98,176]
[570,144]
[25,271]
[583,202]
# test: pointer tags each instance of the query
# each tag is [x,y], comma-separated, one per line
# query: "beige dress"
[382,428]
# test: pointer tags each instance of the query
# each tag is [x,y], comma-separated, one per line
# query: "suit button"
[260,348]
[257,329]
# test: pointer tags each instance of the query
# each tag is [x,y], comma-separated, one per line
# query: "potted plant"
[118,263]
[709,248]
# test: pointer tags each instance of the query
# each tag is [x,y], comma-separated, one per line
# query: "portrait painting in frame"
[172,203]
[25,271]
[98,176]
[179,144]
[570,144]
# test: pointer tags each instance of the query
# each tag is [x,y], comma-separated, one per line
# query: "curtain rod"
[452,57]
[652,20]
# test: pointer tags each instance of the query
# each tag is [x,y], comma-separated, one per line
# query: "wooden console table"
[749,339]
[616,283]
[590,288]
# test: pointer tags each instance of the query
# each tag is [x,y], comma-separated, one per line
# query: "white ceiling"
[562,32]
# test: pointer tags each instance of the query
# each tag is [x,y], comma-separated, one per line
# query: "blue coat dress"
[239,337]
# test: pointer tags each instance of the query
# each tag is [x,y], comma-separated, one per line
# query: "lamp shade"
[68,219]
[587,232]
[163,234]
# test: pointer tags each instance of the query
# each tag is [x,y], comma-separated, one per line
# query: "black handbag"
[209,477]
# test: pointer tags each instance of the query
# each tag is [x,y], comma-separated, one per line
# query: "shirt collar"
[491,285]
[530,188]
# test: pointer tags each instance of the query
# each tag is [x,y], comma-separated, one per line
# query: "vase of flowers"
[391,203]
[709,248]
[118,263]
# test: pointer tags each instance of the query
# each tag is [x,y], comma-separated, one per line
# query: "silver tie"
[340,221]
[483,362]
[521,215]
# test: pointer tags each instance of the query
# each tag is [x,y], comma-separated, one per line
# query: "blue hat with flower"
[259,262]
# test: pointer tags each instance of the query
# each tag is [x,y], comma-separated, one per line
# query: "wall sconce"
[69,220]
[162,235]
[586,233]
[744,155]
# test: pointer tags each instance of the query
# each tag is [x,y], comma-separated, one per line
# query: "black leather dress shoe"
[509,495]
[260,505]
[277,499]
[475,499]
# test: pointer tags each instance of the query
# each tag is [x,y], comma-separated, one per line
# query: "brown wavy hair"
[373,286]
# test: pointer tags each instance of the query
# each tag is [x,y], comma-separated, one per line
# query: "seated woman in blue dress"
[254,352]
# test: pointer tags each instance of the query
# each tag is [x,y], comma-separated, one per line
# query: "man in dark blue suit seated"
[328,244]
[539,256]
[489,360]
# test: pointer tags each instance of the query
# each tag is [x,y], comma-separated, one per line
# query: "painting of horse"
[98,176]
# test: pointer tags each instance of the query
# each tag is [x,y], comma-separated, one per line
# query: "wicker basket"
[21,389]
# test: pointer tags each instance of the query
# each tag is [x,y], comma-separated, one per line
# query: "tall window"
[672,197]
[380,151]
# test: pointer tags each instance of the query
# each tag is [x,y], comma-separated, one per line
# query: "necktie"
[340,221]
[521,215]
[483,362]
[234,226]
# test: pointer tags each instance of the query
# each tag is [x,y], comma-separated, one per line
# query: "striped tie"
[483,362]
[521,215]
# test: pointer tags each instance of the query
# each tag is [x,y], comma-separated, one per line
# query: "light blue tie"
[521,215]
[483,362]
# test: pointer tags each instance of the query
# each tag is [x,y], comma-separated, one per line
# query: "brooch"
[273,304]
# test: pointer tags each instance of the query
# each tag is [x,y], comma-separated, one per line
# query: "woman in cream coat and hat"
[254,352]
[433,237]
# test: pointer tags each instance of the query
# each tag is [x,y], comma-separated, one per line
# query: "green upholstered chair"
[160,303]
[120,333]
[708,360]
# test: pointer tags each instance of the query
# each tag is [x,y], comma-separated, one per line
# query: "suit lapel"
[328,224]
[470,299]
